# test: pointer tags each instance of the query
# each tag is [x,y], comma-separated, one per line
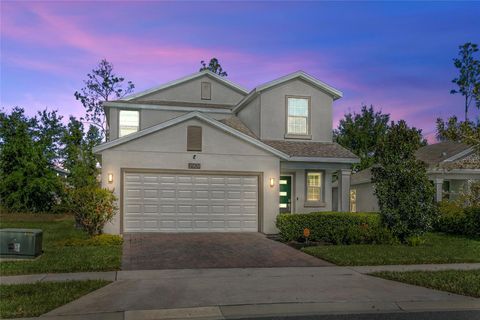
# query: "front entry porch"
[307,187]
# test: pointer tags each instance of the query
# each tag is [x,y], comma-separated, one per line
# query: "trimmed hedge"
[334,227]
[455,220]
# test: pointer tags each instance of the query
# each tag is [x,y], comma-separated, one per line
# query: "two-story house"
[202,154]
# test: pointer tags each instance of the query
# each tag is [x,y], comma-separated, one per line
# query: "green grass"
[438,248]
[64,247]
[34,299]
[465,282]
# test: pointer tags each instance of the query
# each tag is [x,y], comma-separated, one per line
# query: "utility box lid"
[21,230]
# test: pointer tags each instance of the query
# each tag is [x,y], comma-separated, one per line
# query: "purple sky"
[396,56]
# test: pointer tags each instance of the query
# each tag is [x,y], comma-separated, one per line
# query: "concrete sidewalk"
[113,275]
[260,291]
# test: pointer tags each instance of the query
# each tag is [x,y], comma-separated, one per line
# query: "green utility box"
[20,243]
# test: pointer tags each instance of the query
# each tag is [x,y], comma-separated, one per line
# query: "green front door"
[285,193]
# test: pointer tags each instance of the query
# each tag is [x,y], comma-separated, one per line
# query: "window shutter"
[194,138]
[206,91]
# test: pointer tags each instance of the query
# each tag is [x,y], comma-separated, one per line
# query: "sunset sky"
[396,56]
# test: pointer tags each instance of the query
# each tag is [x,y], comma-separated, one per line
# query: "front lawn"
[438,248]
[465,282]
[34,299]
[66,249]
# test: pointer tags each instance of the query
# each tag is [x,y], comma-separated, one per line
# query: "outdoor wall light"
[110,178]
[272,182]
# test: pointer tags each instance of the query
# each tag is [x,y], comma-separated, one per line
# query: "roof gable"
[182,118]
[193,76]
[335,93]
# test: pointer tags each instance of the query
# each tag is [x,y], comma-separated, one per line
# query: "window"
[194,138]
[129,121]
[353,200]
[314,186]
[298,113]
[206,91]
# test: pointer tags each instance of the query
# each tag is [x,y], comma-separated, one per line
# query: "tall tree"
[361,132]
[213,66]
[405,195]
[27,179]
[102,84]
[468,80]
[467,132]
[78,157]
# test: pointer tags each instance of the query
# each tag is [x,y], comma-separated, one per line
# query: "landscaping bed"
[437,248]
[35,299]
[465,282]
[66,249]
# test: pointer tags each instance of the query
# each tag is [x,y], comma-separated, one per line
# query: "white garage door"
[160,202]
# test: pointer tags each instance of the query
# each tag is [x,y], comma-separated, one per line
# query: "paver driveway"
[148,251]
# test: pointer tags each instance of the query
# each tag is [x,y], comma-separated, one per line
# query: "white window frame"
[297,135]
[315,202]
[136,128]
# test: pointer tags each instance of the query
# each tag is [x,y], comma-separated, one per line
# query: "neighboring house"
[451,166]
[203,154]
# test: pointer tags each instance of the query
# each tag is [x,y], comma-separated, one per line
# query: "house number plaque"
[194,166]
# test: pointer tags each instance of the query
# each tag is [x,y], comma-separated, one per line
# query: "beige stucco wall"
[151,117]
[190,91]
[166,149]
[366,199]
[273,110]
[250,115]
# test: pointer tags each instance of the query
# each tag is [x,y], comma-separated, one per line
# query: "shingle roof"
[237,124]
[435,153]
[310,149]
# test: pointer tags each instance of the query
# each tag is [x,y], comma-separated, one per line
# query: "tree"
[405,195]
[468,81]
[78,156]
[214,66]
[101,85]
[361,132]
[467,132]
[28,182]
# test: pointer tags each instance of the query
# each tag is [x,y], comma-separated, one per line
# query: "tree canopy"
[467,132]
[102,84]
[214,66]
[468,80]
[361,132]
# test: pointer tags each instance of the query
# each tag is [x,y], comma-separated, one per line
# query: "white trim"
[185,79]
[115,104]
[459,155]
[337,94]
[453,171]
[324,159]
[183,118]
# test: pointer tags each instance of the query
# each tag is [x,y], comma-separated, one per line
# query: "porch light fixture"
[110,178]
[272,182]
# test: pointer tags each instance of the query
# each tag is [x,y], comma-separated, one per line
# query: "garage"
[158,201]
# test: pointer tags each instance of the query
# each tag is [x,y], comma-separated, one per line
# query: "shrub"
[472,222]
[405,194]
[92,207]
[98,240]
[451,218]
[334,227]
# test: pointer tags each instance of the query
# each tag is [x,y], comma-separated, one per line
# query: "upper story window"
[194,138]
[129,122]
[206,91]
[298,112]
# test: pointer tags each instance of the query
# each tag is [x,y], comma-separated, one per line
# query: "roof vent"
[444,154]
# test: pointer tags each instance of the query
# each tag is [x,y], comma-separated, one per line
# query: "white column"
[344,190]
[438,189]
